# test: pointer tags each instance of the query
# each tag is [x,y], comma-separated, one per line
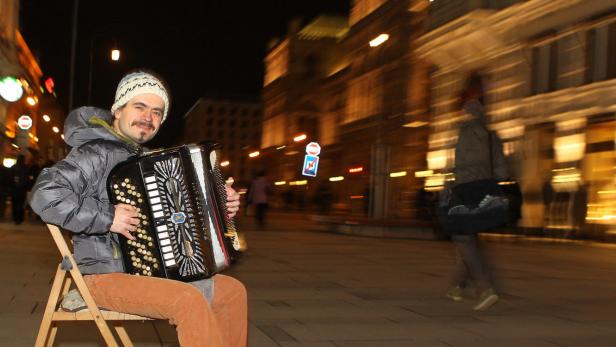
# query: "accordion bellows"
[184,231]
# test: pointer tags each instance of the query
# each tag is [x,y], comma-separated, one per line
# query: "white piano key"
[167,249]
[151,186]
[168,256]
[153,193]
[161,227]
[170,262]
[159,214]
[155,201]
[157,207]
[150,179]
[165,242]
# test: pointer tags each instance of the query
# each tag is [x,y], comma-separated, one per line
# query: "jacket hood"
[89,123]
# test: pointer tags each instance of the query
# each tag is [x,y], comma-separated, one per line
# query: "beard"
[144,136]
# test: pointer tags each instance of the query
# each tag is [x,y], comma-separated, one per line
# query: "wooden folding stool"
[67,273]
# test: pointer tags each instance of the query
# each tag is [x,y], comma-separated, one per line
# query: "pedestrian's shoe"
[455,293]
[486,300]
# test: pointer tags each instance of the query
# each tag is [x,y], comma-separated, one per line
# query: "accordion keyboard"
[144,257]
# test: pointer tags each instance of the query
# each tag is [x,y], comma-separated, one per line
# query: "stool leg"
[119,328]
[54,296]
[52,335]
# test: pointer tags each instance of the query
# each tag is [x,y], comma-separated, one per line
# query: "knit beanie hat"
[138,83]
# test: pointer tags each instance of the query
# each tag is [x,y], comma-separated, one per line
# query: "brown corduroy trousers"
[199,323]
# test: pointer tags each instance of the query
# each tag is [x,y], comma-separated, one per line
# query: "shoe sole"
[487,303]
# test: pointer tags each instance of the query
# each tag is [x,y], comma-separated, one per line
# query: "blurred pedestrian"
[479,163]
[258,195]
[18,175]
[324,198]
[5,188]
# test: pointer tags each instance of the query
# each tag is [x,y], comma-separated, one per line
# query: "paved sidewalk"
[317,289]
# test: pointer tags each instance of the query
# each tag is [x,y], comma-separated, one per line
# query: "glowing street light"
[10,89]
[115,54]
[31,100]
[300,138]
[377,41]
[357,169]
[224,163]
[46,118]
[254,154]
[55,130]
[397,174]
[336,179]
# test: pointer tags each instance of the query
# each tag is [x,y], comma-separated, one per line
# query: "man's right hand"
[125,220]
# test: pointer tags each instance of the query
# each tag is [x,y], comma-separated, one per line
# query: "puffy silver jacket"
[73,194]
[473,160]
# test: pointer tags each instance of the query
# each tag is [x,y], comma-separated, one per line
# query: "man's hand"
[125,220]
[233,201]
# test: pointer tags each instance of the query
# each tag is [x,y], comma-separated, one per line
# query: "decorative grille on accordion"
[184,231]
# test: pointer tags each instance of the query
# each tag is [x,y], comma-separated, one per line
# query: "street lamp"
[115,54]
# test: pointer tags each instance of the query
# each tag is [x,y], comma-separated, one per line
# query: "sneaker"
[455,293]
[458,209]
[486,300]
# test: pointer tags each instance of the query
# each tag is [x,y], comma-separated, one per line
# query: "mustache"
[143,123]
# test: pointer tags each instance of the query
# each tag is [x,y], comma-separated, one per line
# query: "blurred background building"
[551,69]
[235,124]
[354,86]
[377,91]
[30,117]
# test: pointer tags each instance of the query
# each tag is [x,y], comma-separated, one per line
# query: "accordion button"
[115,186]
[150,244]
[155,265]
[126,180]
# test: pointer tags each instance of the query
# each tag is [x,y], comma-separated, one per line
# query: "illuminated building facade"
[30,98]
[354,86]
[236,125]
[551,72]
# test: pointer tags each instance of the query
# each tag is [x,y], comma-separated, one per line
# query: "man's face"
[140,118]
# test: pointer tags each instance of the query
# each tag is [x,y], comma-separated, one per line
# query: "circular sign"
[24,122]
[10,89]
[313,148]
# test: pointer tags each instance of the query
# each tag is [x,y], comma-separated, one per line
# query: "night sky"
[202,48]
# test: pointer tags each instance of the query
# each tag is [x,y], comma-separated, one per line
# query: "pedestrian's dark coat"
[473,162]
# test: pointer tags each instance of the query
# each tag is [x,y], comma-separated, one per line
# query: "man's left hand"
[233,201]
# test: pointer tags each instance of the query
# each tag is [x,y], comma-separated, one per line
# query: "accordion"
[184,232]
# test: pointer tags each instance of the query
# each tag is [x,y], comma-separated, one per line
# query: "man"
[479,164]
[72,194]
[258,195]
